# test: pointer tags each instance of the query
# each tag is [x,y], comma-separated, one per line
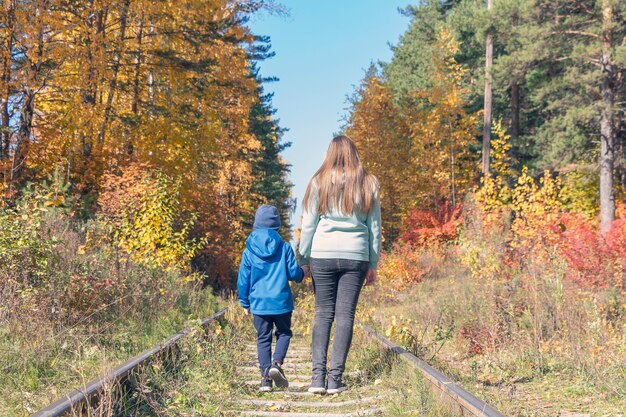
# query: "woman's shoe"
[266,384]
[335,386]
[318,385]
[278,376]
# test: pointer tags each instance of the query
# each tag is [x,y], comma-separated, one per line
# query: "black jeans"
[264,326]
[337,284]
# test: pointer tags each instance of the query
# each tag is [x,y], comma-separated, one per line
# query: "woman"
[339,246]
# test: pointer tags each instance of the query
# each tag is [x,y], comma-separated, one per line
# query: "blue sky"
[322,50]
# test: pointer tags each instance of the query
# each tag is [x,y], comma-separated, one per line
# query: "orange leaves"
[425,227]
[404,266]
[419,148]
[141,208]
[124,190]
[616,238]
[380,132]
[594,262]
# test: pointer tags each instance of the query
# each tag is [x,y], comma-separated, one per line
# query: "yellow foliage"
[147,222]
[402,267]
[501,161]
[419,149]
[535,206]
[495,193]
[399,330]
[580,191]
[442,165]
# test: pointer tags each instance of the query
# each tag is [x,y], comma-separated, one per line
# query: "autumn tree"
[442,131]
[379,129]
[93,87]
[487,108]
[419,146]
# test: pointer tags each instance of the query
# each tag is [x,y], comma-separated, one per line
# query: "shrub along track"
[379,383]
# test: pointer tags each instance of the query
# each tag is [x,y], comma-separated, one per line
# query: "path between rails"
[295,401]
[380,383]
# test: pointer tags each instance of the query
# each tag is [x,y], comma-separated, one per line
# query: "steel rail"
[82,395]
[464,401]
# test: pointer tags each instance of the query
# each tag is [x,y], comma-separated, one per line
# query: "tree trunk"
[488,98]
[620,152]
[515,110]
[151,72]
[607,126]
[5,81]
[116,67]
[5,131]
[130,145]
[94,29]
[24,130]
[27,111]
[137,79]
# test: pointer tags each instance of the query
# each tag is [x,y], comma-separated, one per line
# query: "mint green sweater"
[334,235]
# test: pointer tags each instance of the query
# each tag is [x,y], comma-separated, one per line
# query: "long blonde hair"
[342,182]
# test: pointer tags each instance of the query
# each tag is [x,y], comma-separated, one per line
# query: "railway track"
[367,397]
[461,401]
[79,401]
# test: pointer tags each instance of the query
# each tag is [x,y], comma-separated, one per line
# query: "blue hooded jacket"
[267,264]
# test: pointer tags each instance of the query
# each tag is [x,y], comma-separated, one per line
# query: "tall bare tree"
[488,97]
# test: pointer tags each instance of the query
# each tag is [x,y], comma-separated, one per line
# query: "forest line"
[557,81]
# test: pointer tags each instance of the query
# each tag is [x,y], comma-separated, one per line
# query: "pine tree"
[271,185]
[569,53]
[412,56]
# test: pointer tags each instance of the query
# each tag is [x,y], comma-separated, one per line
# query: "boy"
[267,264]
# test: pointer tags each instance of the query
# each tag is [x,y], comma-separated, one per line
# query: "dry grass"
[67,314]
[535,344]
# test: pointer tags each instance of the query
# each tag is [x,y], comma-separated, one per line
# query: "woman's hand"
[307,270]
[371,277]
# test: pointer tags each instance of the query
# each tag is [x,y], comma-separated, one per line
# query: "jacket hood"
[267,217]
[264,243]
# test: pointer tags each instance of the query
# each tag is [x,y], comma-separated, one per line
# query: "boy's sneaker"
[266,384]
[278,376]
[318,385]
[335,386]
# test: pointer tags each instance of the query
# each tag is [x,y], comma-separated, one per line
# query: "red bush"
[616,238]
[440,224]
[594,262]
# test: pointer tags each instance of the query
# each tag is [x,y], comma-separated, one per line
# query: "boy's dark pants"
[264,326]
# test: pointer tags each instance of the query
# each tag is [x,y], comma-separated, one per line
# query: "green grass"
[204,382]
[411,396]
[36,369]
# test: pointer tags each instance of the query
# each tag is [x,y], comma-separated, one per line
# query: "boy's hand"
[307,270]
[371,277]
[246,311]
